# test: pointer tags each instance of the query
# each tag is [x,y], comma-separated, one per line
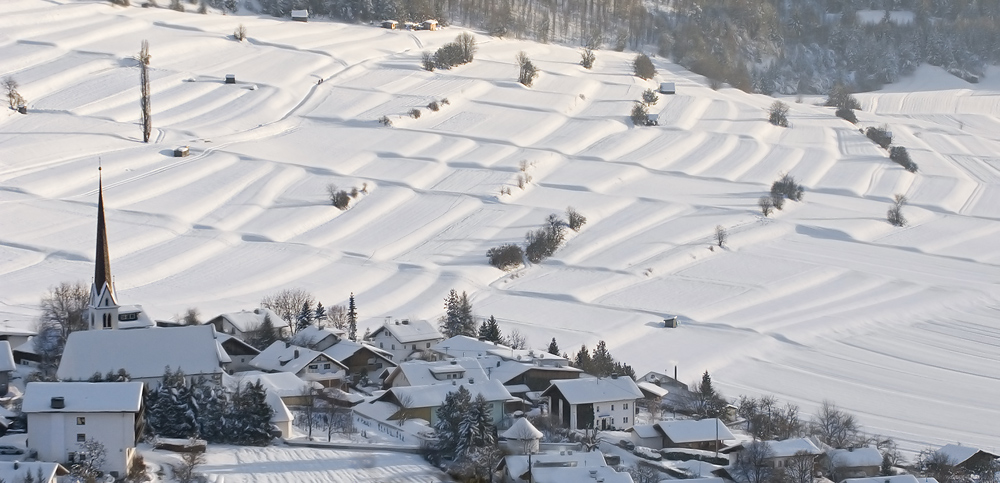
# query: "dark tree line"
[600,363]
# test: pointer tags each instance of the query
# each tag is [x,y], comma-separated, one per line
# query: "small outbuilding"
[230,78]
[22,109]
[667,88]
[522,437]
[390,24]
[182,152]
[300,15]
[429,25]
[671,322]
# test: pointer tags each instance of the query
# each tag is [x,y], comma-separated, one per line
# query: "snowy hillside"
[825,300]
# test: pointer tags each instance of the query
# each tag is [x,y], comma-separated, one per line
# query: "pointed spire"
[102,260]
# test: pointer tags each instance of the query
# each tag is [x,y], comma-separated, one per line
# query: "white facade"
[404,338]
[612,414]
[57,436]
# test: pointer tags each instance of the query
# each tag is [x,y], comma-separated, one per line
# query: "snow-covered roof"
[144,353]
[6,357]
[886,479]
[651,388]
[575,466]
[83,397]
[421,373]
[646,430]
[433,395]
[16,331]
[283,357]
[224,338]
[141,321]
[464,346]
[788,447]
[957,454]
[410,331]
[345,348]
[246,320]
[28,347]
[20,470]
[307,336]
[596,389]
[522,429]
[689,430]
[854,458]
[272,395]
[284,384]
[300,13]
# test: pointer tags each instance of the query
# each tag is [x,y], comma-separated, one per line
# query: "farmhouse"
[307,364]
[854,462]
[144,354]
[240,353]
[599,403]
[406,339]
[361,360]
[423,373]
[61,415]
[242,324]
[706,434]
[317,338]
[422,401]
[967,457]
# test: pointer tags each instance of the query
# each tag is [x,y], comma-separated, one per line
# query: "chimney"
[58,402]
[296,356]
[397,322]
[406,321]
[472,381]
[454,362]
[675,373]
[614,375]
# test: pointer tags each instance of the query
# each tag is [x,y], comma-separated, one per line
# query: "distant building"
[240,353]
[61,415]
[429,25]
[967,457]
[854,462]
[704,434]
[560,467]
[406,339]
[17,471]
[590,402]
[300,15]
[307,364]
[7,366]
[389,24]
[422,401]
[244,323]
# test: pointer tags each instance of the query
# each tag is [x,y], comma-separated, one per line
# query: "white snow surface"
[824,300]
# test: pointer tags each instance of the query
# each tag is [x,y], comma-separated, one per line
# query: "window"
[127,317]
[313,367]
[326,366]
[381,345]
[107,321]
[625,406]
[598,409]
[428,345]
[72,457]
[625,419]
[414,346]
[80,437]
[394,347]
[612,407]
[80,420]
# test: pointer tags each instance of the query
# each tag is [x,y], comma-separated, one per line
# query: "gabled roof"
[83,397]
[6,357]
[19,470]
[345,348]
[647,431]
[246,320]
[421,373]
[958,454]
[593,389]
[651,389]
[283,357]
[522,429]
[144,353]
[573,466]
[28,347]
[409,331]
[233,344]
[433,396]
[855,458]
[788,447]
[464,346]
[284,384]
[312,334]
[690,431]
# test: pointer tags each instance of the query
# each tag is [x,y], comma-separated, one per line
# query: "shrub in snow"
[240,33]
[587,58]
[847,115]
[766,204]
[542,243]
[721,235]
[415,113]
[385,121]
[176,5]
[895,214]
[788,188]
[427,61]
[434,106]
[506,257]
[527,70]
[574,219]
[642,67]
[649,97]
[459,52]
[640,114]
[778,114]
[339,198]
[841,98]
[880,135]
[899,155]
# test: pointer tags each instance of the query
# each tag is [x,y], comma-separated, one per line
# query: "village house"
[854,463]
[37,471]
[559,467]
[240,353]
[282,418]
[591,402]
[7,367]
[424,373]
[361,359]
[891,479]
[967,457]
[648,435]
[244,323]
[61,415]
[706,434]
[422,401]
[144,354]
[406,339]
[14,336]
[677,392]
[25,354]
[307,364]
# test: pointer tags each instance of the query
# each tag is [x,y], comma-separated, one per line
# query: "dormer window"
[128,317]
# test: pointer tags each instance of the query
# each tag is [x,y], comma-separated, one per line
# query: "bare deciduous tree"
[190,460]
[799,468]
[528,72]
[645,473]
[721,235]
[516,340]
[13,97]
[766,205]
[337,315]
[895,213]
[833,426]
[287,303]
[65,306]
[144,101]
[240,33]
[752,463]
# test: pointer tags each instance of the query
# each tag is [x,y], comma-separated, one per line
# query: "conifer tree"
[553,347]
[582,360]
[305,317]
[210,401]
[352,319]
[602,364]
[257,413]
[490,330]
[450,415]
[320,314]
[458,319]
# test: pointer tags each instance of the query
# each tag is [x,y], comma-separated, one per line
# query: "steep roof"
[283,357]
[788,447]
[144,353]
[433,396]
[6,357]
[650,388]
[284,384]
[522,429]
[247,320]
[690,431]
[421,373]
[102,257]
[19,470]
[312,335]
[646,430]
[230,343]
[593,389]
[410,331]
[854,458]
[345,348]
[83,397]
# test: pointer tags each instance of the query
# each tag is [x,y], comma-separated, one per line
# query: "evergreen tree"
[210,401]
[458,319]
[490,330]
[476,428]
[352,319]
[466,320]
[450,416]
[709,403]
[602,364]
[304,319]
[553,347]
[320,315]
[582,360]
[257,414]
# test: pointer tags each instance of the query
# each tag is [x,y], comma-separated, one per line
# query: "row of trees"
[600,363]
[539,244]
[207,410]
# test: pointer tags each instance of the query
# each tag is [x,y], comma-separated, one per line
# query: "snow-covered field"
[823,301]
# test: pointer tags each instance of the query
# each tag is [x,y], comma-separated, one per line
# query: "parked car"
[647,453]
[627,444]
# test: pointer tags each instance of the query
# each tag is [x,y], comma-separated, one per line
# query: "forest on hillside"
[765,46]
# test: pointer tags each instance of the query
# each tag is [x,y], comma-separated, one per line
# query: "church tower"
[103,303]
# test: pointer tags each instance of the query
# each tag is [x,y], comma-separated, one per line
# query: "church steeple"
[102,260]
